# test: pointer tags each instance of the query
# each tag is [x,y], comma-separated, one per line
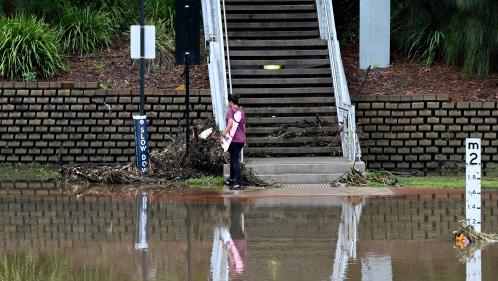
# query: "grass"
[28,173]
[207,181]
[444,182]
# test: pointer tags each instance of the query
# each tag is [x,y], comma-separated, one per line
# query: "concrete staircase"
[290,111]
[299,170]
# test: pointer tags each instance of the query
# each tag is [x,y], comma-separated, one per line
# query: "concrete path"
[303,190]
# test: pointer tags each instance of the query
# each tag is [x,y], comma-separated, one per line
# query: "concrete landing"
[299,170]
[308,190]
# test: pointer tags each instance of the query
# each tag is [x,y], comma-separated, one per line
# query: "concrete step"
[282,72]
[300,170]
[273,16]
[282,101]
[272,25]
[281,90]
[292,151]
[274,34]
[269,1]
[275,141]
[254,121]
[267,131]
[262,62]
[262,8]
[290,110]
[277,43]
[281,81]
[278,53]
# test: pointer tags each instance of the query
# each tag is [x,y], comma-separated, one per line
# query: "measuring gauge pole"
[473,183]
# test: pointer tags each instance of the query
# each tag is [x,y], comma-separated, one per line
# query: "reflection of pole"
[189,238]
[473,267]
[142,243]
[142,217]
[144,265]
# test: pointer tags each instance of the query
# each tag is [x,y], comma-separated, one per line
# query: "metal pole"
[187,73]
[142,55]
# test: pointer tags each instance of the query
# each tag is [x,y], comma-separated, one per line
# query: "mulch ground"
[115,68]
[409,78]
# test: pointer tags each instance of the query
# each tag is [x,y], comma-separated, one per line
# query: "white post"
[473,183]
[375,33]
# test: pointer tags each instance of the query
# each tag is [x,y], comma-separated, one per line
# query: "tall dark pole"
[187,73]
[142,55]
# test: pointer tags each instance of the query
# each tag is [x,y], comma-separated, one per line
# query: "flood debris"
[466,234]
[468,241]
[353,177]
[171,164]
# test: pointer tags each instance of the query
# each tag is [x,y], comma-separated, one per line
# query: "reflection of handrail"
[346,111]
[228,49]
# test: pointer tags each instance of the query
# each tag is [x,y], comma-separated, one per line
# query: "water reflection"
[373,267]
[142,243]
[323,238]
[229,251]
[473,267]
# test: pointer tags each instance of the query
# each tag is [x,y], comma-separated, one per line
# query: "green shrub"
[161,10]
[462,32]
[85,30]
[29,45]
[165,41]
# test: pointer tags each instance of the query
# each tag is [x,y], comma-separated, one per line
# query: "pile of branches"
[353,177]
[468,241]
[473,236]
[174,163]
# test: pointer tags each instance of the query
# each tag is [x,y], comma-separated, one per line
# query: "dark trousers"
[234,150]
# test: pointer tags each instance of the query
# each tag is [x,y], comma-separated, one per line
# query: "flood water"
[404,237]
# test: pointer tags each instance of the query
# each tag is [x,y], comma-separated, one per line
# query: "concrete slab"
[299,170]
[305,190]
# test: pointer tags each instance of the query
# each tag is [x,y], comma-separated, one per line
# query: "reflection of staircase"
[291,111]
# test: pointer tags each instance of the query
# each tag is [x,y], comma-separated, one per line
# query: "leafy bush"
[29,45]
[462,32]
[85,30]
[165,41]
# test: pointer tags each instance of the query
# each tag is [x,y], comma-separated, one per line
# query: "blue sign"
[141,143]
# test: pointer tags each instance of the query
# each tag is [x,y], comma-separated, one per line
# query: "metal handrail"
[228,49]
[214,37]
[346,111]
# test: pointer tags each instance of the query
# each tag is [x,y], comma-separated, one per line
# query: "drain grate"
[321,185]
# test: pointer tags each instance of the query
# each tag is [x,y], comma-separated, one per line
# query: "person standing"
[238,141]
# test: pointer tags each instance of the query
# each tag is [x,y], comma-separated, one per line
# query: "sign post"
[141,143]
[142,46]
[473,183]
[473,201]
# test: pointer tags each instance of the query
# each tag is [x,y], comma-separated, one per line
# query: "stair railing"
[228,48]
[345,110]
[214,37]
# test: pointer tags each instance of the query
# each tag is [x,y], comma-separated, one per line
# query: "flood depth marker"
[473,183]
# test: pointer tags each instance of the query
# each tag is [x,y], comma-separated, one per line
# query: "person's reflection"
[234,240]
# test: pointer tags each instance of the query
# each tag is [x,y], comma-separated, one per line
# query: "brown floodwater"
[162,238]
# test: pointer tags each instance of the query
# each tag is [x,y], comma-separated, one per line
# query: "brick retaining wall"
[71,122]
[425,132]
